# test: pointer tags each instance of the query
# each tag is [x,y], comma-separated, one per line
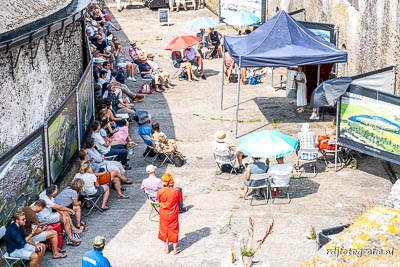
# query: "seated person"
[106,149]
[281,169]
[307,139]
[116,133]
[21,245]
[111,114]
[164,75]
[118,104]
[91,185]
[147,72]
[179,62]
[144,127]
[214,38]
[47,216]
[152,184]
[122,62]
[256,167]
[99,164]
[323,140]
[194,58]
[220,145]
[101,46]
[69,198]
[135,52]
[43,232]
[167,146]
[229,66]
[204,42]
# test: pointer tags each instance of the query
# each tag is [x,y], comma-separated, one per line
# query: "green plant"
[248,247]
[312,234]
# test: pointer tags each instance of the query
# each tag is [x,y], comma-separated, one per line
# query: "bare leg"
[41,252]
[77,210]
[166,246]
[34,260]
[106,195]
[240,158]
[176,248]
[53,236]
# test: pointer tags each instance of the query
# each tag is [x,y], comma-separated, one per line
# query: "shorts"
[104,179]
[123,64]
[24,253]
[180,1]
[100,190]
[40,237]
[53,217]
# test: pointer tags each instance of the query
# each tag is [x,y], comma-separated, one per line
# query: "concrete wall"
[37,90]
[368,29]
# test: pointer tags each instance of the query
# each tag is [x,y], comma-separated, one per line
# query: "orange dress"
[169,211]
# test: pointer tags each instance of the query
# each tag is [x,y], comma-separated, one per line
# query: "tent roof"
[282,41]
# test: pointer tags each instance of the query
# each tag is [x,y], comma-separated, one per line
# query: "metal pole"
[238,96]
[78,115]
[47,156]
[319,74]
[337,132]
[222,83]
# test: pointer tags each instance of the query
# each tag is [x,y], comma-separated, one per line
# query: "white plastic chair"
[305,153]
[225,158]
[280,176]
[10,261]
[258,181]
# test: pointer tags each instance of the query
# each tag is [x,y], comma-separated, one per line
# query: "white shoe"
[133,79]
[313,115]
[129,78]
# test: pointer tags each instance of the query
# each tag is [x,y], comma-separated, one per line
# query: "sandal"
[104,209]
[72,243]
[128,181]
[123,197]
[62,251]
[123,188]
[84,223]
[177,251]
[59,255]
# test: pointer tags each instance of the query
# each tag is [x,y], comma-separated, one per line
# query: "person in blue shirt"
[95,256]
[20,245]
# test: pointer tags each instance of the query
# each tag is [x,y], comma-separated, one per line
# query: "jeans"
[120,151]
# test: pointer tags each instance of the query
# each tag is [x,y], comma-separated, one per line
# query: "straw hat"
[220,136]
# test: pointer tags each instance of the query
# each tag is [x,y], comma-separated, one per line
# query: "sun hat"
[151,168]
[98,60]
[305,127]
[143,118]
[167,179]
[99,241]
[220,136]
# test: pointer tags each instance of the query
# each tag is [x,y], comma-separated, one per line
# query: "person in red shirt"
[169,198]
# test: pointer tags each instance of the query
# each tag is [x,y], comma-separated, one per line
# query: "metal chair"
[307,156]
[327,151]
[160,154]
[10,261]
[149,148]
[155,205]
[177,71]
[92,200]
[258,181]
[225,158]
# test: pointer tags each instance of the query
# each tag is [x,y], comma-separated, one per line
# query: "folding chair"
[149,148]
[225,158]
[279,178]
[92,200]
[177,71]
[10,261]
[159,154]
[307,156]
[325,152]
[155,205]
[257,181]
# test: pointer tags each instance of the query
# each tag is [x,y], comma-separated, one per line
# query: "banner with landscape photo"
[370,123]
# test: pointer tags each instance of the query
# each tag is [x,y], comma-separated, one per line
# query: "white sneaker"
[313,115]
[133,79]
[129,78]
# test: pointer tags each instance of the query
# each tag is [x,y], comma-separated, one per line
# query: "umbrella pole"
[337,132]
[237,97]
[222,83]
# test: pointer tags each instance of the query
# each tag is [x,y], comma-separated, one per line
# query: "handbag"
[233,78]
[145,89]
[179,161]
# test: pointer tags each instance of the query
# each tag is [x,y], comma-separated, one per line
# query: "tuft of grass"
[312,235]
[275,123]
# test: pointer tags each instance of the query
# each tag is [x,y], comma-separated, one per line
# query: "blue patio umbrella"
[240,19]
[202,23]
[268,144]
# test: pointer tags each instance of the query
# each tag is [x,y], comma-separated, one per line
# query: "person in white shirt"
[164,75]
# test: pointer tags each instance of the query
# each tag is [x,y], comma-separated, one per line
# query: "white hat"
[305,127]
[151,168]
[220,136]
[98,60]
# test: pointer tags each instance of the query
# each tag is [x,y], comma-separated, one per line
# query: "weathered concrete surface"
[16,13]
[217,215]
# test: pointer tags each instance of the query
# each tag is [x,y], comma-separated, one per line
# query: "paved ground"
[218,215]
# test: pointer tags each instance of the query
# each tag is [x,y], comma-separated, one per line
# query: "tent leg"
[319,74]
[222,84]
[337,133]
[237,99]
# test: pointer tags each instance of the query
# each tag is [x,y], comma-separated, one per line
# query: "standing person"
[301,81]
[169,198]
[178,3]
[95,256]
[44,232]
[20,245]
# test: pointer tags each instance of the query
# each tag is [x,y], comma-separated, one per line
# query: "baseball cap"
[151,168]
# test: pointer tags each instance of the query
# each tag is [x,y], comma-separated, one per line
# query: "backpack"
[178,161]
[120,76]
[233,78]
[254,79]
[145,89]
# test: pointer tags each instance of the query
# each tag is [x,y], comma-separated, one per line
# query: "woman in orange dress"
[169,198]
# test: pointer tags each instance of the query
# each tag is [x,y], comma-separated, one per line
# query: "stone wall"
[368,29]
[37,90]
